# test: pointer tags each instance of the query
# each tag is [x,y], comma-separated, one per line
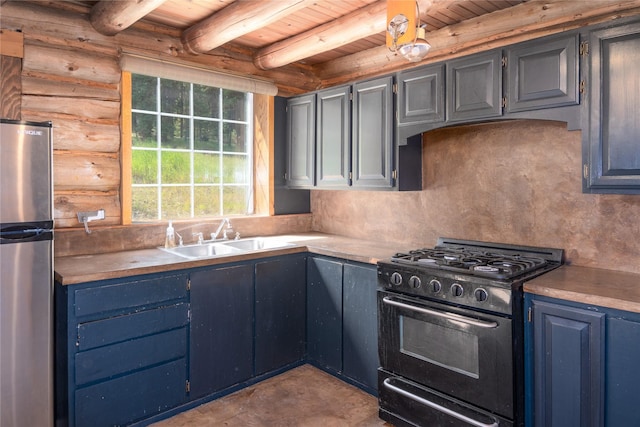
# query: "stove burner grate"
[471,261]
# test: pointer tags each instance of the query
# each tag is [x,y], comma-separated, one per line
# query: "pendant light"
[405,35]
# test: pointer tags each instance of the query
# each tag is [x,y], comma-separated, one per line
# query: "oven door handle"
[426,402]
[444,314]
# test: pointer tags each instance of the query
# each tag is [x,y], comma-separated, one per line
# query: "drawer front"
[133,397]
[118,359]
[109,331]
[129,295]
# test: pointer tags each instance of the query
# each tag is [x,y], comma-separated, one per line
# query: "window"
[191,150]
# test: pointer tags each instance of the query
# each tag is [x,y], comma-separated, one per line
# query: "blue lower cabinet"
[133,397]
[622,376]
[360,325]
[581,364]
[280,313]
[324,313]
[134,350]
[221,345]
[342,319]
[121,349]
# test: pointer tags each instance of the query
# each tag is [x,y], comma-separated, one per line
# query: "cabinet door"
[421,95]
[301,132]
[221,328]
[568,366]
[280,313]
[474,87]
[333,138]
[372,138]
[543,73]
[360,330]
[622,374]
[611,139]
[324,313]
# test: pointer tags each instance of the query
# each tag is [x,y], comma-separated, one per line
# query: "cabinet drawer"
[129,295]
[133,397]
[113,360]
[122,328]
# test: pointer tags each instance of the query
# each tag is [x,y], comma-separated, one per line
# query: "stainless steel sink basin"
[256,243]
[229,247]
[203,251]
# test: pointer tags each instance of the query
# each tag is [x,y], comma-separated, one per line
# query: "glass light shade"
[416,51]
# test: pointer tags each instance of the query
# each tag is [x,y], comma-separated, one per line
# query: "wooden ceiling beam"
[235,20]
[357,25]
[109,17]
[526,21]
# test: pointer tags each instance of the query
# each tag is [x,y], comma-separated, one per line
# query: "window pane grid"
[202,164]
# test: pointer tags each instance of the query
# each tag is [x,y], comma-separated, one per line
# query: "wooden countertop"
[594,286]
[87,268]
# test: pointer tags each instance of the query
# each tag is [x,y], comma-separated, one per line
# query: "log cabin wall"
[70,75]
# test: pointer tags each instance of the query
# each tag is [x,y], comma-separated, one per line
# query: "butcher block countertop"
[87,268]
[594,286]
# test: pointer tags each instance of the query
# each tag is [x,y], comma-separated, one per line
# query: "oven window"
[451,348]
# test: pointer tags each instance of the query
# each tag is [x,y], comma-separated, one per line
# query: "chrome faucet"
[215,234]
[199,236]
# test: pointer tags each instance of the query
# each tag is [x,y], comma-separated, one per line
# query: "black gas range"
[451,332]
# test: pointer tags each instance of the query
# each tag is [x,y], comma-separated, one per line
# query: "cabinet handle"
[454,414]
[444,314]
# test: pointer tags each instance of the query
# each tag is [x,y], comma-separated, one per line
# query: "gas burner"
[474,260]
[486,269]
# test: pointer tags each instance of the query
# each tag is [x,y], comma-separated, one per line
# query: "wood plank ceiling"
[331,41]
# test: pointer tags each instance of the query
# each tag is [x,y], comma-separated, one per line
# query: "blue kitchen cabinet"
[121,349]
[221,328]
[280,313]
[324,313]
[474,87]
[360,325]
[342,325]
[301,141]
[622,377]
[611,129]
[333,139]
[581,364]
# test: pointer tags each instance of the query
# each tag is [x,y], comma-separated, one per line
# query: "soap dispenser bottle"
[170,238]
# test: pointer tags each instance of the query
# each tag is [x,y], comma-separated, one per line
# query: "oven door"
[459,352]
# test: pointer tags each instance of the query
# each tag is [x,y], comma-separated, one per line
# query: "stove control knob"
[435,286]
[457,290]
[396,279]
[481,295]
[414,282]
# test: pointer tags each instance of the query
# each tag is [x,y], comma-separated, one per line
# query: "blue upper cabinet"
[474,87]
[333,137]
[543,74]
[420,100]
[611,129]
[301,141]
[372,134]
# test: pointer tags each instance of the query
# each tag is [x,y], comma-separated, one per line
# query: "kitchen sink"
[257,243]
[204,250]
[229,247]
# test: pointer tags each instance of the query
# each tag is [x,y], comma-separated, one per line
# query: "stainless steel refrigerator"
[26,274]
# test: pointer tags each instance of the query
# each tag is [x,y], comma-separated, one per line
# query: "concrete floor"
[302,397]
